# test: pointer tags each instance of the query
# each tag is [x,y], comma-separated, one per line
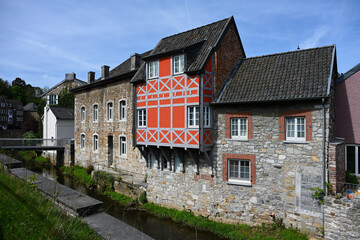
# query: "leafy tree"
[66,99]
[5,88]
[40,103]
[19,93]
[18,82]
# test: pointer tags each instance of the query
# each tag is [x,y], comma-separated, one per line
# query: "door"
[110,150]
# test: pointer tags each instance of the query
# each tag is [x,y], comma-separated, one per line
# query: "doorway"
[110,150]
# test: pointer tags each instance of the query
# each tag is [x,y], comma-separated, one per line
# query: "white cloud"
[313,40]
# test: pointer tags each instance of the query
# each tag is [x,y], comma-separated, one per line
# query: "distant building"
[15,113]
[31,118]
[348,116]
[3,113]
[52,95]
[58,123]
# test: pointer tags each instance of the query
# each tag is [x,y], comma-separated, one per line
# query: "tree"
[66,99]
[18,82]
[5,88]
[19,93]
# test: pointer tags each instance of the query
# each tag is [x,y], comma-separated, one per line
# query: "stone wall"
[101,95]
[342,219]
[281,176]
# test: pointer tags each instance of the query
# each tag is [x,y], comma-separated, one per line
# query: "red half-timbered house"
[173,91]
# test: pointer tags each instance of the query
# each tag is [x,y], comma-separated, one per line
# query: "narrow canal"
[156,228]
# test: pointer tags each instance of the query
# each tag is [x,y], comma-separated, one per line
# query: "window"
[239,170]
[2,104]
[96,143]
[123,146]
[109,111]
[153,69]
[193,116]
[295,128]
[19,113]
[82,141]
[239,128]
[95,113]
[122,110]
[142,118]
[52,99]
[178,64]
[353,158]
[82,114]
[207,116]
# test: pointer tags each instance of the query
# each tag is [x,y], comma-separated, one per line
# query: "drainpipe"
[324,156]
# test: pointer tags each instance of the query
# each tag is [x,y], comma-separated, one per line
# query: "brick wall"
[302,113]
[336,164]
[251,157]
[225,57]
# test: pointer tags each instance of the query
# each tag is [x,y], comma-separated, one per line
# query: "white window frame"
[238,179]
[296,124]
[357,159]
[141,117]
[123,145]
[122,110]
[83,113]
[82,141]
[52,99]
[193,116]
[153,69]
[109,111]
[95,143]
[238,128]
[207,116]
[179,62]
[95,112]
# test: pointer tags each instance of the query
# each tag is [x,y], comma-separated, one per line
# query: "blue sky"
[40,41]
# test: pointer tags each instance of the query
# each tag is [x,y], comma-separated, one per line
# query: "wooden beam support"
[209,158]
[180,154]
[154,151]
[145,153]
[167,155]
[195,158]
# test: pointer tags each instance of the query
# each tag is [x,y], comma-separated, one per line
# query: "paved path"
[78,204]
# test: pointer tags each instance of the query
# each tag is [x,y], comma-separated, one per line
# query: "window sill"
[122,120]
[246,184]
[238,140]
[175,74]
[296,141]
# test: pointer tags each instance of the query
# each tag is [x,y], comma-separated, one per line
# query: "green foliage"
[104,181]
[66,99]
[18,82]
[143,198]
[18,93]
[5,88]
[265,231]
[89,169]
[29,134]
[351,178]
[118,197]
[79,173]
[27,155]
[27,214]
[319,194]
[42,161]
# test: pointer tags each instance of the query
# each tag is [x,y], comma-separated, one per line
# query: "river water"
[156,228]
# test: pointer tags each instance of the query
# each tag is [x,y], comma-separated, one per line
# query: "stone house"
[3,113]
[52,95]
[15,113]
[104,120]
[348,116]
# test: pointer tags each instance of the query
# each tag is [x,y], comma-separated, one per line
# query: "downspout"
[324,160]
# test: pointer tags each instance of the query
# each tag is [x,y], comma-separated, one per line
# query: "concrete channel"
[76,203]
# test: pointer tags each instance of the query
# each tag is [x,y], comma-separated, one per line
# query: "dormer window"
[153,69]
[178,64]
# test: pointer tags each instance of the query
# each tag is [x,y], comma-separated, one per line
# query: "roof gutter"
[264,101]
[331,72]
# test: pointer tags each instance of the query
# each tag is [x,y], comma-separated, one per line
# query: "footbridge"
[63,147]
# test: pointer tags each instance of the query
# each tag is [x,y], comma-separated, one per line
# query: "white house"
[58,123]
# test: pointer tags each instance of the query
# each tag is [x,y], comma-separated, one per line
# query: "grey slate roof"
[30,107]
[348,74]
[80,83]
[63,113]
[15,104]
[197,43]
[302,74]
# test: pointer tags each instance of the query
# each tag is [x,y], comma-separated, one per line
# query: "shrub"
[27,155]
[120,198]
[143,198]
[351,178]
[89,169]
[79,173]
[42,160]
[104,181]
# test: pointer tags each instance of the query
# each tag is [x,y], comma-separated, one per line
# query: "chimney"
[70,76]
[135,61]
[91,77]
[104,72]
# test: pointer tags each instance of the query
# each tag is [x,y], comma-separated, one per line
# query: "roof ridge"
[282,53]
[195,28]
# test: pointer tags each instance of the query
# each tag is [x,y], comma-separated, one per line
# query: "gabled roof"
[348,74]
[198,43]
[15,103]
[302,74]
[30,107]
[63,113]
[78,81]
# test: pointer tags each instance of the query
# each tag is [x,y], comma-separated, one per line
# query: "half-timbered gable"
[176,84]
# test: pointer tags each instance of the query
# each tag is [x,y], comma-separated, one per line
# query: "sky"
[41,40]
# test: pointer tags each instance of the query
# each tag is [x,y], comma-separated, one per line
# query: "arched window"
[109,111]
[123,148]
[122,110]
[96,143]
[95,113]
[82,114]
[82,141]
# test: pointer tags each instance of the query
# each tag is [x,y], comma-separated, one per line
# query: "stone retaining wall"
[342,220]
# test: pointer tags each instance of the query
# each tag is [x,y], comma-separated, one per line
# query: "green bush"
[79,173]
[120,198]
[143,198]
[27,155]
[42,160]
[104,181]
[351,178]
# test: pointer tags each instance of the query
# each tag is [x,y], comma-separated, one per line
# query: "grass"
[79,173]
[27,214]
[42,161]
[27,155]
[120,198]
[32,156]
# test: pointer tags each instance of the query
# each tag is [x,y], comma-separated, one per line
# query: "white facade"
[56,128]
